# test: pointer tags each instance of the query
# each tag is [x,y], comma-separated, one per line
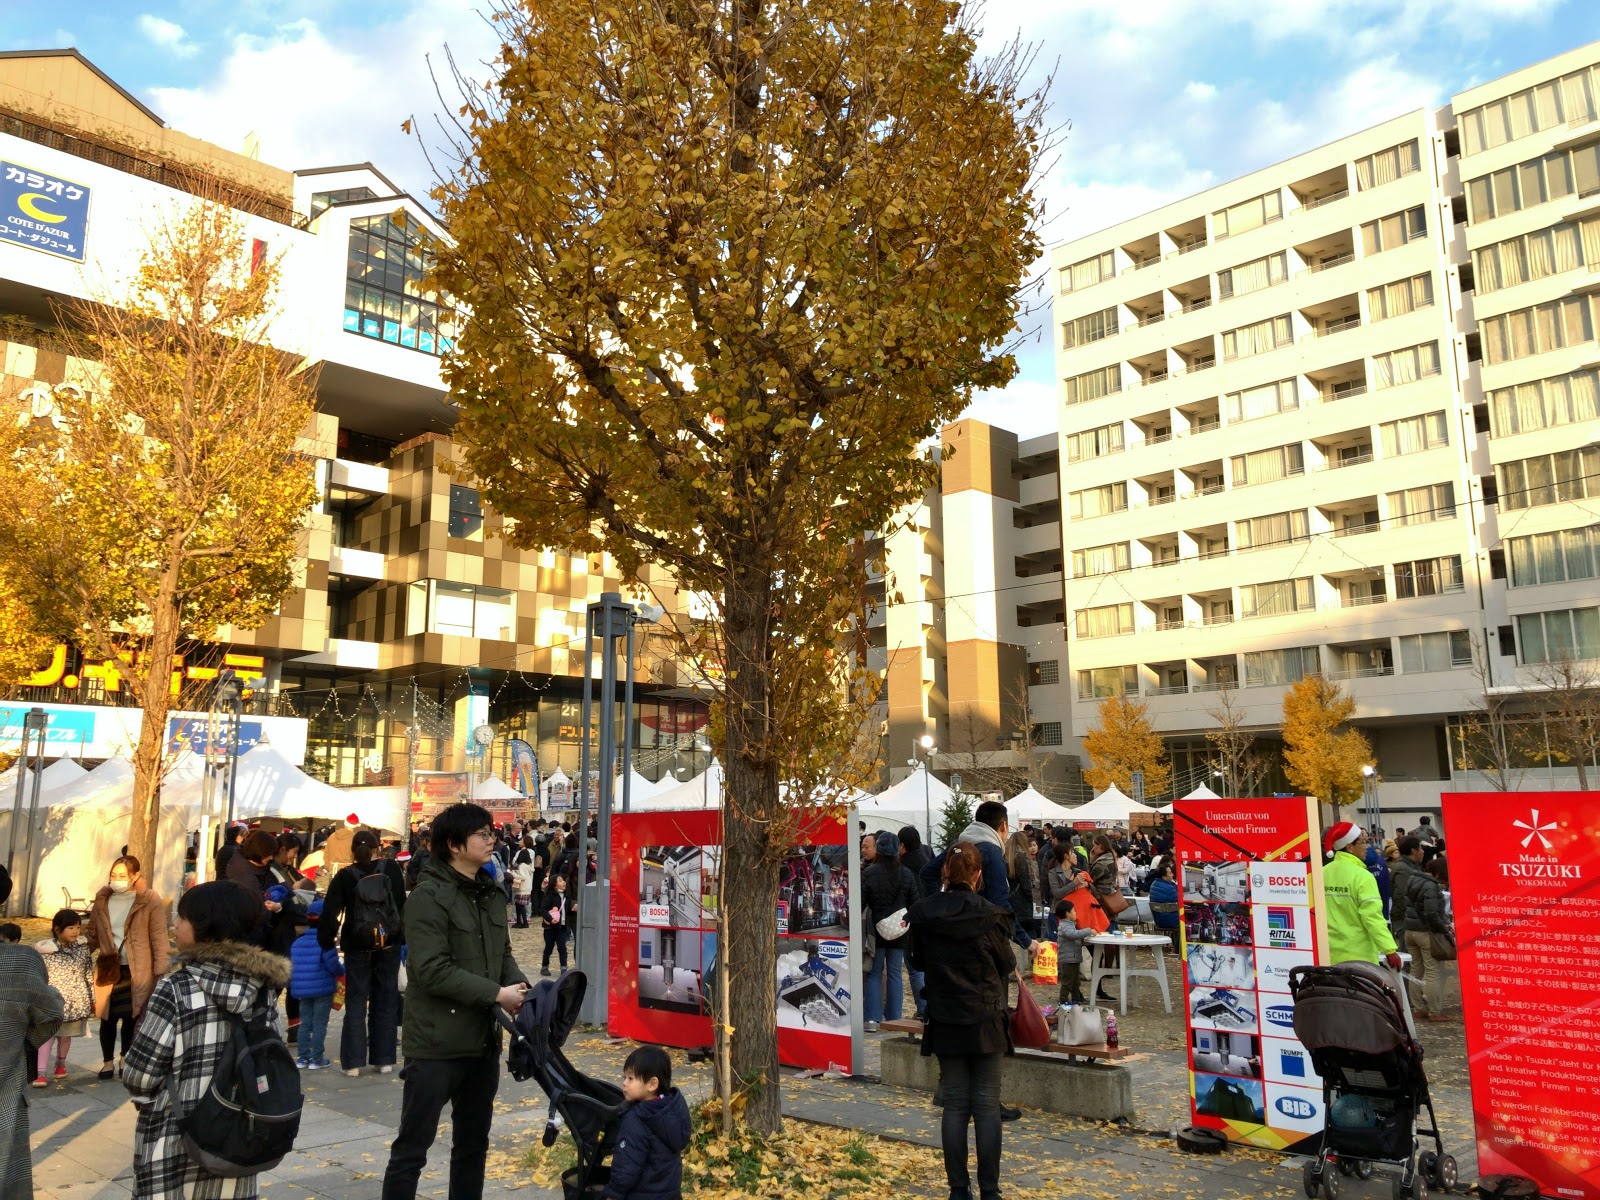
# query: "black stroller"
[589,1108]
[1352,1018]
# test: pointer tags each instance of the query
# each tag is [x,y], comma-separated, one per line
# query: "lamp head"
[927,741]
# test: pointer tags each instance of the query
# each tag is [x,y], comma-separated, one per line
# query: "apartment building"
[1312,419]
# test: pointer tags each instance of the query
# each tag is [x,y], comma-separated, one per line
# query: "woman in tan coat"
[128,931]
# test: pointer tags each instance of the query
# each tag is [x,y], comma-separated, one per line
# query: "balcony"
[355,564]
[1330,198]
[1143,252]
[1187,237]
[1325,253]
[1325,187]
[1351,518]
[1371,659]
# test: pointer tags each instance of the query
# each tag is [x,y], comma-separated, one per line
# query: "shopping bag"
[338,994]
[1044,964]
[1028,1027]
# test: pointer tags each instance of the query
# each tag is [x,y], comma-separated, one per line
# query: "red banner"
[666,886]
[1248,880]
[1525,888]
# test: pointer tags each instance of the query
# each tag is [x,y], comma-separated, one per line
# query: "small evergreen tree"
[955,816]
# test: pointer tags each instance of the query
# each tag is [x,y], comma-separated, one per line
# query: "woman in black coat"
[886,888]
[962,944]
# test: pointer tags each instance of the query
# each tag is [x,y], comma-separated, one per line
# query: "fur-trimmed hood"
[231,973]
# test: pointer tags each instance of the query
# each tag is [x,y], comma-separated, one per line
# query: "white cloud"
[169,35]
[1199,90]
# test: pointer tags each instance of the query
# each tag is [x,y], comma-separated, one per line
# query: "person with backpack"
[363,916]
[204,1128]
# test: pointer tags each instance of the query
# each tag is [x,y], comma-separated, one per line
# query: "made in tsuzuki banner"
[1525,890]
[1249,876]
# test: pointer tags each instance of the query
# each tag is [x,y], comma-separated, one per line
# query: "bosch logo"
[834,950]
[1298,1109]
[1281,1014]
[1256,879]
[1284,881]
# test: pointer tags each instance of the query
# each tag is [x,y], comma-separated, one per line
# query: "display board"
[1249,875]
[434,791]
[666,888]
[1525,890]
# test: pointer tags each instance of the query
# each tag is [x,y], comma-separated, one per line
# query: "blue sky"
[1164,97]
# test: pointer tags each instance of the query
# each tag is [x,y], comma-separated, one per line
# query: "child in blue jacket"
[313,978]
[648,1161]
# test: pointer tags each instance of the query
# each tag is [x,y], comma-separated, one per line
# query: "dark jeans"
[468,1085]
[108,1035]
[970,1087]
[555,938]
[371,1008]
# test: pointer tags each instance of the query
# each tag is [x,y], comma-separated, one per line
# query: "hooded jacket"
[648,1161]
[996,887]
[961,941]
[189,1009]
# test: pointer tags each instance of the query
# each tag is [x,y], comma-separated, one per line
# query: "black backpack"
[249,1116]
[372,921]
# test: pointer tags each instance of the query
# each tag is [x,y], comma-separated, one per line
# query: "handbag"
[107,969]
[1080,1026]
[894,926]
[1442,946]
[1112,904]
[1028,1027]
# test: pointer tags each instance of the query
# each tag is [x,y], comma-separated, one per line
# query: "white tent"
[703,791]
[557,786]
[1110,807]
[1033,805]
[1200,793]
[917,800]
[493,788]
[640,788]
[57,774]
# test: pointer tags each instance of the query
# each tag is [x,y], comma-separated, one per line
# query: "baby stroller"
[589,1108]
[1352,1018]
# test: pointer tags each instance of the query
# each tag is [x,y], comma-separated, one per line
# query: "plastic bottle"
[1111,1029]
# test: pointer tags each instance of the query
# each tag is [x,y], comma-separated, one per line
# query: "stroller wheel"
[1445,1174]
[1310,1181]
[1346,1166]
[1362,1168]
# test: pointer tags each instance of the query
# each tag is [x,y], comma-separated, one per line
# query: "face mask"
[120,885]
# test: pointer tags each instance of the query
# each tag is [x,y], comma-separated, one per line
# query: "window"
[1097,501]
[1275,530]
[1043,674]
[466,513]
[1550,478]
[461,610]
[1047,733]
[1398,298]
[1265,401]
[1386,166]
[1088,272]
[1537,330]
[1545,106]
[1552,176]
[386,295]
[1253,276]
[1252,214]
[1409,435]
[1394,231]
[1569,633]
[1546,252]
[1094,443]
[1257,339]
[1556,557]
[1265,466]
[1546,403]
[322,201]
[1108,681]
[1273,599]
[1444,651]
[1400,367]
[1083,330]
[1427,577]
[1091,385]
[1109,620]
[1100,560]
[1263,668]
[1420,505]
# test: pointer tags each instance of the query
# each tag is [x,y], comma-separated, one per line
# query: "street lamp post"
[926,742]
[1221,777]
[1369,796]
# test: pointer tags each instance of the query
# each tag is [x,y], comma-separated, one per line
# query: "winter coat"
[522,874]
[1357,931]
[30,1013]
[886,888]
[458,957]
[1380,872]
[996,887]
[1424,905]
[1103,874]
[70,969]
[183,1035]
[553,900]
[1164,906]
[342,895]
[1086,909]
[916,855]
[1070,943]
[1400,889]
[647,1163]
[145,944]
[257,880]
[313,970]
[961,943]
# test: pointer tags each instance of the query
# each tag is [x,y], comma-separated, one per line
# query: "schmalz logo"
[1281,1014]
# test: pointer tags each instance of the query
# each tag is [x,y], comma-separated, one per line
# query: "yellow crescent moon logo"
[28,203]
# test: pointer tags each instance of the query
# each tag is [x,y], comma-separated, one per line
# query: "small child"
[522,885]
[69,965]
[11,932]
[647,1163]
[557,906]
[1070,941]
[314,977]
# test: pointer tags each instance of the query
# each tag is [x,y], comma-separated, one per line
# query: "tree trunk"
[149,756]
[750,862]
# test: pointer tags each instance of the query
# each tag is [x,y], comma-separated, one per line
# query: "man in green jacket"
[458,967]
[1357,931]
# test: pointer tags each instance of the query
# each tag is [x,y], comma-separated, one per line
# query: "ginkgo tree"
[1322,754]
[1125,742]
[730,263]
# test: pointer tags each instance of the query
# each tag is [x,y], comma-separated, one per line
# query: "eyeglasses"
[482,833]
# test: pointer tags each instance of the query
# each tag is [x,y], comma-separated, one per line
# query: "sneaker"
[41,1082]
[870,1027]
[545,972]
[318,1066]
[388,1070]
[61,1070]
[302,1064]
[352,1071]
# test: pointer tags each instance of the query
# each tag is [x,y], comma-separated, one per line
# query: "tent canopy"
[917,800]
[58,773]
[703,791]
[1033,805]
[1110,807]
[1200,793]
[492,787]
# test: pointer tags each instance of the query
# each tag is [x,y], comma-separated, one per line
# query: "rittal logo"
[1280,928]
[1280,1014]
[1296,1108]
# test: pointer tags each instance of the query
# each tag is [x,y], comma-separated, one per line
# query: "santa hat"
[352,821]
[1339,836]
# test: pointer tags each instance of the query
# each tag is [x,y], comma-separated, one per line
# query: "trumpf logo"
[1535,830]
[1296,1108]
